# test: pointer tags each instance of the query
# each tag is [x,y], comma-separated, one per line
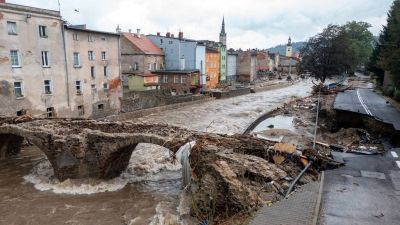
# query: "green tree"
[360,41]
[326,54]
[389,52]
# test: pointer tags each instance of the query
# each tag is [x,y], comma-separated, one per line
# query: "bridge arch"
[90,153]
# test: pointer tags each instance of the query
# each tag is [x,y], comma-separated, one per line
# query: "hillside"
[282,48]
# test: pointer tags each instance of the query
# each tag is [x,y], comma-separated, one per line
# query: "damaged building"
[51,69]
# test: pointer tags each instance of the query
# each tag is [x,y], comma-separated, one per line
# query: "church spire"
[223,26]
[289,41]
[222,35]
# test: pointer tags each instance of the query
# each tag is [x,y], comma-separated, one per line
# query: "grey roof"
[79,28]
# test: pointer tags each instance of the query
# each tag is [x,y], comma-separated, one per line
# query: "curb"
[318,204]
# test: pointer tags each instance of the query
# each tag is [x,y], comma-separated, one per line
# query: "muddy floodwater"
[148,192]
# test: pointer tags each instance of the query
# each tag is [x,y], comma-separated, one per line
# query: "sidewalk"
[300,208]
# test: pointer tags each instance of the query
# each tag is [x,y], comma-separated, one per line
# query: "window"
[176,79]
[42,31]
[100,107]
[12,28]
[103,56]
[45,59]
[136,66]
[105,70]
[50,112]
[183,79]
[105,86]
[154,66]
[81,110]
[149,65]
[18,89]
[90,55]
[92,72]
[75,36]
[103,38]
[93,86]
[78,87]
[15,58]
[47,87]
[161,41]
[161,66]
[170,42]
[77,59]
[165,78]
[90,38]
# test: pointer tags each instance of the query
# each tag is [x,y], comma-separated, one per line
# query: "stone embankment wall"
[138,100]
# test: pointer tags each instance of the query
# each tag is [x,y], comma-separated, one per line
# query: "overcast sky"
[249,23]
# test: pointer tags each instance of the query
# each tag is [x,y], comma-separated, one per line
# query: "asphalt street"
[366,102]
[365,191]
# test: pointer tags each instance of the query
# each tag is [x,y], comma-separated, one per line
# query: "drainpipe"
[66,63]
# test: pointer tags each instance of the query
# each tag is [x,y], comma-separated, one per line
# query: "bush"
[389,91]
[396,95]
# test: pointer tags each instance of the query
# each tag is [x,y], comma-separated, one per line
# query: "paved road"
[366,191]
[367,102]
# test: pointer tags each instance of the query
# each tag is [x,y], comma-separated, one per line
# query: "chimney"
[172,35]
[130,30]
[168,34]
[180,35]
[158,33]
[138,32]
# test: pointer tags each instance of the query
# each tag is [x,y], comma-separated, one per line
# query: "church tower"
[289,48]
[222,35]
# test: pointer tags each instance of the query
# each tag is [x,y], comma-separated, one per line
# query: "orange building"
[212,67]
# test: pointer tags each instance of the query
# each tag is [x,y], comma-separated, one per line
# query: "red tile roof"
[143,43]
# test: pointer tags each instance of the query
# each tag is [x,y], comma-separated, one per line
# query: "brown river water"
[142,195]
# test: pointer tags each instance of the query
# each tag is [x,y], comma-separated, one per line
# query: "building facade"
[212,67]
[53,70]
[32,62]
[179,82]
[94,79]
[246,66]
[181,53]
[231,65]
[139,59]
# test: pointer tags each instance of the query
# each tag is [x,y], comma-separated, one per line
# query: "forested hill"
[282,48]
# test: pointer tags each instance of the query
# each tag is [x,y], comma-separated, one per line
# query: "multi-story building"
[32,62]
[181,53]
[212,67]
[231,65]
[246,65]
[51,70]
[140,58]
[93,70]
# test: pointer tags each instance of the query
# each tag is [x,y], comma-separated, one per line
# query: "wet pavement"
[365,191]
[366,102]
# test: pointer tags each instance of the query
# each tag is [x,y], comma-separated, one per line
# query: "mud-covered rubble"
[238,174]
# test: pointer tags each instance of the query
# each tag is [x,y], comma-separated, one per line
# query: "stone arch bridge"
[87,148]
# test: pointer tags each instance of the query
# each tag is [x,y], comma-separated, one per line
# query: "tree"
[389,48]
[360,41]
[372,65]
[337,49]
[326,54]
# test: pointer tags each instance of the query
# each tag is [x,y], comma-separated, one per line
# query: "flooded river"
[148,192]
